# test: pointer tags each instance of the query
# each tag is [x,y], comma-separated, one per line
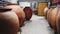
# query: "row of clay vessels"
[20,13]
[53,17]
[23,14]
[12,17]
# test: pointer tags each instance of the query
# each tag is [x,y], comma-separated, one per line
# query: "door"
[41,6]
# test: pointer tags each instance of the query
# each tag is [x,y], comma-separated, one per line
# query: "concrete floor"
[37,25]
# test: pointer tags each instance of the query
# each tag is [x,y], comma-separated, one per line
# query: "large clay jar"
[9,22]
[58,20]
[52,17]
[20,13]
[49,15]
[45,11]
[28,13]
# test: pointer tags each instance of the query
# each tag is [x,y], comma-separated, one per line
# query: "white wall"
[13,1]
[24,4]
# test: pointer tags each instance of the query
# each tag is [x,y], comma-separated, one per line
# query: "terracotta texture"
[58,20]
[51,17]
[9,22]
[28,13]
[20,13]
[45,11]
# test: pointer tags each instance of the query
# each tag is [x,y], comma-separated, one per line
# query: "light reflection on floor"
[37,25]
